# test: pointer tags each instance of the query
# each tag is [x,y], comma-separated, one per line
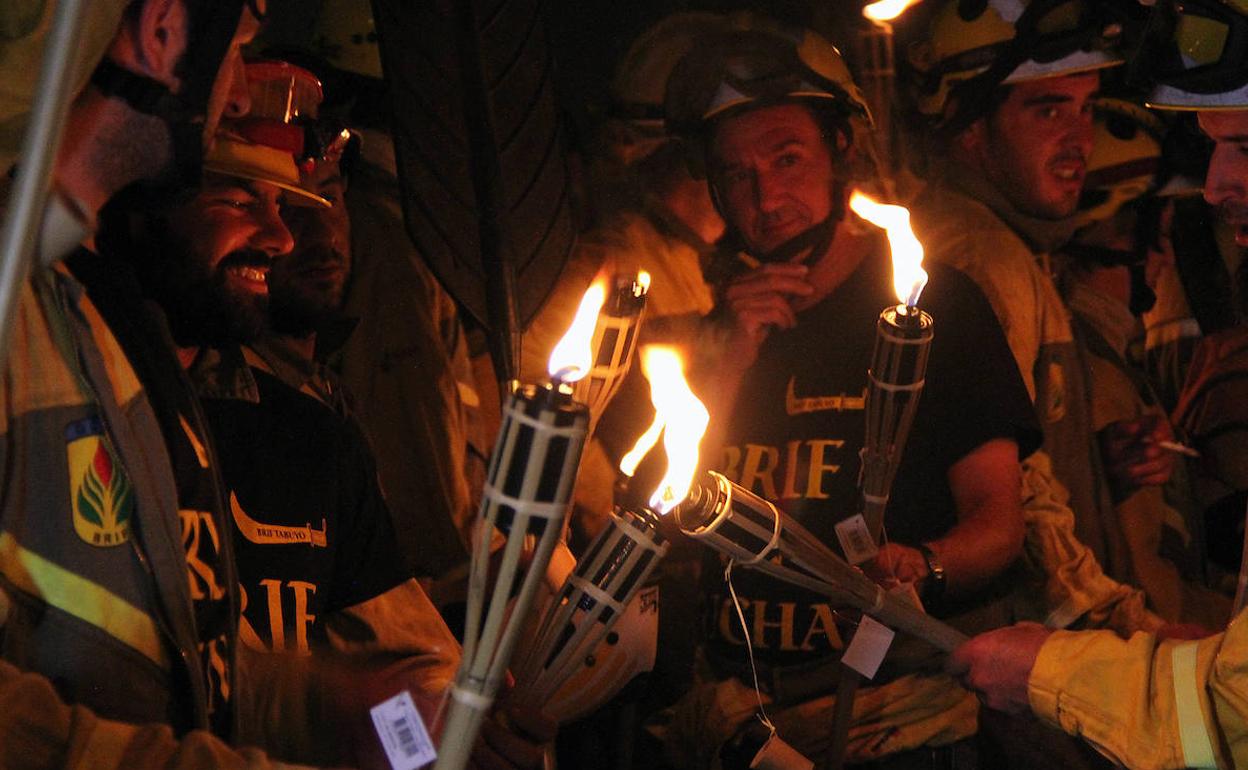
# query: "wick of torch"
[909,277]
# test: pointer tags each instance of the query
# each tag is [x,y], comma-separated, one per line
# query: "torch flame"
[574,354]
[642,285]
[681,419]
[886,10]
[630,461]
[909,277]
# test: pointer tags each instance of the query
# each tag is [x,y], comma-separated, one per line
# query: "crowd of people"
[244,428]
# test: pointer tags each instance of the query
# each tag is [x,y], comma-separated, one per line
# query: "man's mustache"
[315,257]
[1234,213]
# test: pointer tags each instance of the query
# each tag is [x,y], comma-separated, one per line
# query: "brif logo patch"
[100,494]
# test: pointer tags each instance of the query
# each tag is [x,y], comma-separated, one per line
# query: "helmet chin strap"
[211,29]
[814,240]
[151,97]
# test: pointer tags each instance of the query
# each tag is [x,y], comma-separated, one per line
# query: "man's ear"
[969,141]
[153,40]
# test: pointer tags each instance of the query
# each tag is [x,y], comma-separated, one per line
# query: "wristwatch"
[934,586]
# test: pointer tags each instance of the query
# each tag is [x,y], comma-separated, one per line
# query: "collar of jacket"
[1109,317]
[1042,236]
[225,374]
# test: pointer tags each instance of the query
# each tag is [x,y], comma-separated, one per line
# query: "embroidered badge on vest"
[100,494]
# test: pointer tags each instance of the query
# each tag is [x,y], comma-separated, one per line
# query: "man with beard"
[776,114]
[319,572]
[112,588]
[1149,702]
[1006,89]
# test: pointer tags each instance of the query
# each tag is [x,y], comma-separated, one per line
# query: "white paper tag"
[778,755]
[868,647]
[856,539]
[402,733]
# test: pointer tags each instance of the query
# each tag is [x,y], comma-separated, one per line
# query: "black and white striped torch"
[613,342]
[756,535]
[903,340]
[617,564]
[526,497]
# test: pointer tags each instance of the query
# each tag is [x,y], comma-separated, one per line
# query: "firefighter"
[1105,276]
[118,604]
[1149,702]
[780,123]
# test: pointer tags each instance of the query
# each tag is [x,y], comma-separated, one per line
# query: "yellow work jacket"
[1145,703]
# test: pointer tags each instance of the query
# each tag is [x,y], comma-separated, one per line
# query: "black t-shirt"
[799,423]
[312,533]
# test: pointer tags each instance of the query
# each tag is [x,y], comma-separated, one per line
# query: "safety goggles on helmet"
[280,141]
[754,67]
[1196,51]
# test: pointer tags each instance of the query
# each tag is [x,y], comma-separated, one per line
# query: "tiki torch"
[757,535]
[613,342]
[619,561]
[526,495]
[903,339]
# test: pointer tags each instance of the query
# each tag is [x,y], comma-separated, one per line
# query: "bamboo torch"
[903,339]
[526,495]
[618,562]
[757,535]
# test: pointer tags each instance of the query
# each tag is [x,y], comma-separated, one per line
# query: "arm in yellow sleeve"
[1145,703]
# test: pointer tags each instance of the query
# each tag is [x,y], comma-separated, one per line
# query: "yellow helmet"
[759,62]
[347,37]
[270,143]
[1197,54]
[1125,159]
[973,46]
[640,80]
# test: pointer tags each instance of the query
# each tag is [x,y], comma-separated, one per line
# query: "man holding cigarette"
[780,126]
[1149,702]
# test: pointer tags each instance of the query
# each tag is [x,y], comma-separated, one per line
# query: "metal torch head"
[614,342]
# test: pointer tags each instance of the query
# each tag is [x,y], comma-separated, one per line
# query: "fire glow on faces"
[307,287]
[1034,147]
[773,172]
[217,251]
[1226,182]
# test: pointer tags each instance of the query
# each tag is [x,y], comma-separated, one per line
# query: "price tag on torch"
[856,539]
[402,733]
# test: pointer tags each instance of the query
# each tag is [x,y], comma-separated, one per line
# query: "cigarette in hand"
[1174,446]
